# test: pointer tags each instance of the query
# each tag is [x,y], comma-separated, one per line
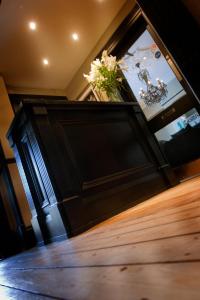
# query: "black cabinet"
[82,162]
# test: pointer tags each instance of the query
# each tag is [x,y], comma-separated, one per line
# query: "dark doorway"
[14,236]
[10,241]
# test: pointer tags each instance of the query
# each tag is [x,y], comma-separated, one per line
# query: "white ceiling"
[22,50]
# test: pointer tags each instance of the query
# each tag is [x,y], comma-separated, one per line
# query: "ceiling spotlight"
[45,61]
[75,36]
[32,26]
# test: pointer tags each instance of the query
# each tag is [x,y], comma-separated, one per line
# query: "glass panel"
[152,81]
[179,140]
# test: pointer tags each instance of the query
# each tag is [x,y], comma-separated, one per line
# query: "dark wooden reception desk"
[82,162]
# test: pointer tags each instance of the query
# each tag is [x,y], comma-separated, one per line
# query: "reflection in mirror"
[151,79]
[179,140]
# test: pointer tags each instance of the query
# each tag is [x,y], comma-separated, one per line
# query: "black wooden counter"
[81,163]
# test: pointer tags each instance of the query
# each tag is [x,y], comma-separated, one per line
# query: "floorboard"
[149,252]
[17,293]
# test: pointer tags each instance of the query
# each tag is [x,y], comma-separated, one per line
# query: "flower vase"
[114,96]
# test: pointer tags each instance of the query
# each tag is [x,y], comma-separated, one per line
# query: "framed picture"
[89,95]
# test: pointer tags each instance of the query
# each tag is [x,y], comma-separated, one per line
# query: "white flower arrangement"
[104,74]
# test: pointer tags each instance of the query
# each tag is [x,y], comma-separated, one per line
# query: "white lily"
[104,73]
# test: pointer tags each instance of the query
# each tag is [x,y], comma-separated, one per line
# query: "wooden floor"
[149,252]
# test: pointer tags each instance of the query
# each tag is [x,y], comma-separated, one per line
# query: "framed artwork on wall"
[89,95]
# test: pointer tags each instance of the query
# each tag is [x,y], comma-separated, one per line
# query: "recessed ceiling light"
[45,61]
[75,36]
[32,25]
